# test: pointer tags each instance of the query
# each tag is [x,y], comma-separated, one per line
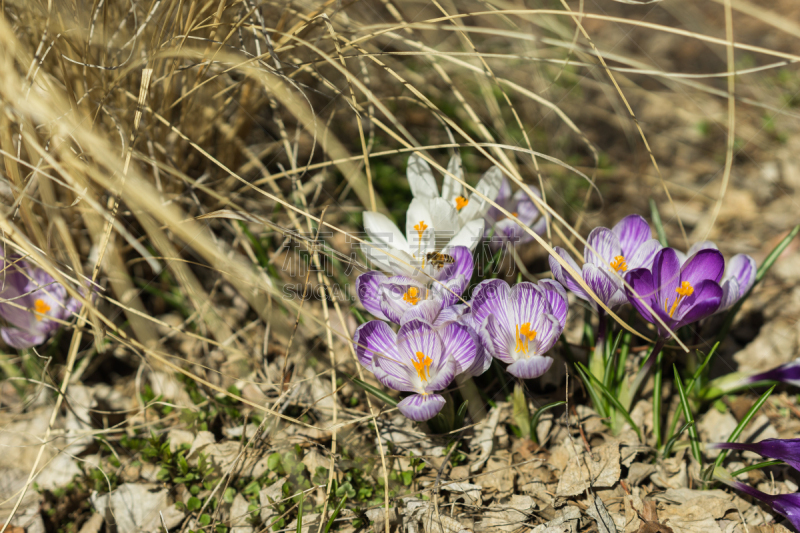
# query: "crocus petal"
[787,450]
[497,340]
[743,268]
[606,245]
[644,255]
[460,344]
[556,297]
[785,373]
[703,302]
[441,376]
[367,288]
[502,199]
[450,314]
[493,298]
[21,339]
[374,337]
[426,311]
[731,293]
[488,186]
[463,265]
[524,207]
[445,221]
[702,245]
[531,367]
[417,336]
[376,256]
[451,189]
[786,504]
[604,285]
[423,240]
[632,231]
[16,311]
[421,407]
[392,300]
[468,236]
[383,232]
[420,178]
[448,291]
[641,281]
[705,264]
[392,374]
[666,275]
[548,330]
[527,302]
[564,277]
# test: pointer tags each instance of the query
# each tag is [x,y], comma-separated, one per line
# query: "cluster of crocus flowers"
[786,450]
[32,303]
[440,335]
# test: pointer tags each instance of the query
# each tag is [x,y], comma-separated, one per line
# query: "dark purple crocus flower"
[32,303]
[786,450]
[786,504]
[519,325]
[418,359]
[391,297]
[625,247]
[679,295]
[500,229]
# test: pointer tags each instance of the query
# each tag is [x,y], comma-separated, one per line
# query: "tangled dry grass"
[177,163]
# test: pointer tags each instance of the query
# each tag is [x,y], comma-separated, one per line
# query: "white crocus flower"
[467,208]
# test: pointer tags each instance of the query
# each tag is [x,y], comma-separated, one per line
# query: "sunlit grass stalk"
[694,439]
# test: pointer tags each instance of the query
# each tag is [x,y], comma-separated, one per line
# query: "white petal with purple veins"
[564,277]
[556,297]
[602,248]
[530,368]
[632,231]
[374,337]
[460,344]
[421,407]
[497,340]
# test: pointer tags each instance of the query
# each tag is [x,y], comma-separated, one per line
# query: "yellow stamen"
[516,215]
[412,296]
[40,307]
[421,227]
[619,264]
[683,291]
[461,202]
[423,366]
[524,335]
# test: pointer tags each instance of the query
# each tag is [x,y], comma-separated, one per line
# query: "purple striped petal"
[705,264]
[702,245]
[644,255]
[368,290]
[632,231]
[530,368]
[731,293]
[528,302]
[451,314]
[460,344]
[421,407]
[703,302]
[393,374]
[441,376]
[493,298]
[526,209]
[463,265]
[641,281]
[606,287]
[449,291]
[606,245]
[426,311]
[417,336]
[556,297]
[496,339]
[374,337]
[565,278]
[548,330]
[21,339]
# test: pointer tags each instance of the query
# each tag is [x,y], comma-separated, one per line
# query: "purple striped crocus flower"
[501,229]
[739,276]
[32,303]
[625,247]
[519,325]
[418,359]
[678,295]
[786,373]
[392,297]
[786,450]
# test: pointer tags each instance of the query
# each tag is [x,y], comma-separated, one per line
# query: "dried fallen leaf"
[601,468]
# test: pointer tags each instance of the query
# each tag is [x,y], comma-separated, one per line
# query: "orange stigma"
[421,227]
[461,202]
[412,296]
[516,215]
[423,366]
[41,308]
[683,291]
[619,264]
[524,335]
